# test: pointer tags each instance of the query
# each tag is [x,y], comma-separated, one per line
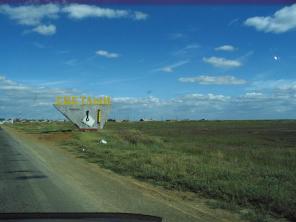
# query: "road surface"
[36,178]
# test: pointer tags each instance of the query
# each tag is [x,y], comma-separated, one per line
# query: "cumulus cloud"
[227,48]
[253,95]
[213,80]
[281,21]
[147,101]
[278,101]
[202,97]
[29,101]
[30,14]
[194,104]
[280,88]
[106,54]
[80,11]
[37,15]
[222,62]
[45,29]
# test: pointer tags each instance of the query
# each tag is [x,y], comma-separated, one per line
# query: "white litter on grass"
[103,141]
[83,150]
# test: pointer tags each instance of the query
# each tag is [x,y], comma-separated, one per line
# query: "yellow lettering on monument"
[82,100]
[89,101]
[67,100]
[105,100]
[58,100]
[96,101]
[100,101]
[74,100]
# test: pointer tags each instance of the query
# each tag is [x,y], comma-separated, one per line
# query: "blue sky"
[161,62]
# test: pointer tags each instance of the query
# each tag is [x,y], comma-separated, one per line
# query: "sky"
[155,61]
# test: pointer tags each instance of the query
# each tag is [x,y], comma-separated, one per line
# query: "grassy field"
[240,163]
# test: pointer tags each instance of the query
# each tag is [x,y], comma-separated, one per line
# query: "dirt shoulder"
[104,191]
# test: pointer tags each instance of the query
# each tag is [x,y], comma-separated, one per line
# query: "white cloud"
[140,15]
[279,102]
[283,88]
[282,84]
[177,35]
[71,62]
[171,68]
[192,46]
[213,80]
[39,45]
[7,85]
[35,101]
[253,95]
[227,48]
[233,21]
[281,21]
[154,101]
[222,62]
[147,101]
[186,49]
[45,29]
[37,15]
[106,54]
[185,106]
[80,11]
[30,14]
[29,101]
[204,97]
[166,69]
[13,87]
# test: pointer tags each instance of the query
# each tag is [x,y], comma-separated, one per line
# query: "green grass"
[41,127]
[243,163]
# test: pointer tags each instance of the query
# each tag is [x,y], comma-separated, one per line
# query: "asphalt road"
[24,186]
[38,178]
